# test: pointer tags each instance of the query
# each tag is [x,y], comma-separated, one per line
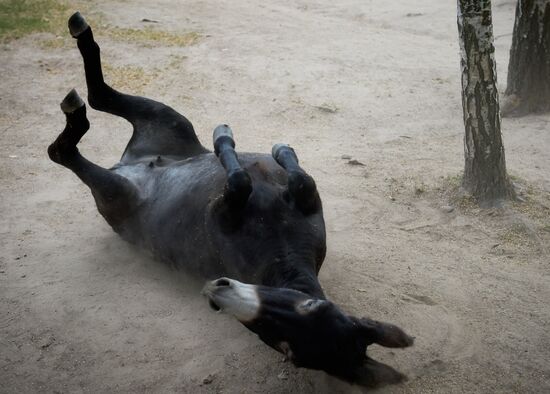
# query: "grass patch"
[450,189]
[453,181]
[128,78]
[519,234]
[55,43]
[150,36]
[515,235]
[21,17]
[176,60]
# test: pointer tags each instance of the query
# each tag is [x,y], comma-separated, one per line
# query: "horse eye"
[310,305]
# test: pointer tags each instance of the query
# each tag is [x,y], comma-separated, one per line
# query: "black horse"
[254,218]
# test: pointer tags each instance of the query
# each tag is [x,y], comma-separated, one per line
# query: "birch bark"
[485,167]
[528,89]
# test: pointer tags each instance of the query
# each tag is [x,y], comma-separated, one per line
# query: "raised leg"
[239,185]
[301,187]
[158,129]
[116,197]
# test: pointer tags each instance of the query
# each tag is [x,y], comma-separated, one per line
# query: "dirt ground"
[371,81]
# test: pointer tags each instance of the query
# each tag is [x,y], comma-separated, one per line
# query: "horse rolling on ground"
[253,221]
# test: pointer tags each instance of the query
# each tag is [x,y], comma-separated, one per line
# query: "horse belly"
[170,222]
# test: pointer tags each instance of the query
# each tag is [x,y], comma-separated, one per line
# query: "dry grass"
[517,235]
[150,36]
[129,78]
[147,37]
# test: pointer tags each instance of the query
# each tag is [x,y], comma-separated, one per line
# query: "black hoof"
[77,24]
[71,102]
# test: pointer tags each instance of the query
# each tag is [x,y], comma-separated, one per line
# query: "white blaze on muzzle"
[233,297]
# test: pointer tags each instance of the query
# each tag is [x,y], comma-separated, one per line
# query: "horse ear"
[384,334]
[374,374]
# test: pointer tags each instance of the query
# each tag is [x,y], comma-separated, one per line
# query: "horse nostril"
[222,282]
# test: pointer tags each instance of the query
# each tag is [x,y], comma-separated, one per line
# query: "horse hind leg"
[158,129]
[116,197]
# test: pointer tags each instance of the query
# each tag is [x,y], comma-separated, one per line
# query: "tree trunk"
[485,169]
[528,88]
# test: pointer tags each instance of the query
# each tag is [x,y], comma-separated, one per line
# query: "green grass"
[21,17]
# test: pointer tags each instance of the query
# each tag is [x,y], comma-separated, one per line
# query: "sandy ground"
[82,311]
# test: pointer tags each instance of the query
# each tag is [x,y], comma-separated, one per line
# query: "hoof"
[71,102]
[222,134]
[222,130]
[77,24]
[277,149]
